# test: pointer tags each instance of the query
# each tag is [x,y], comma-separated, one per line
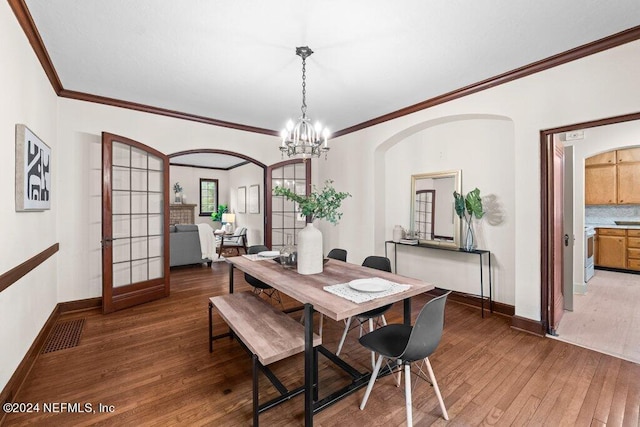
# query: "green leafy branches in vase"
[320,204]
[468,207]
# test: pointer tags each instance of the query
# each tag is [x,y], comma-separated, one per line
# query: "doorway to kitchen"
[551,264]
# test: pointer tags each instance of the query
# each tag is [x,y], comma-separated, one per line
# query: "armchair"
[236,241]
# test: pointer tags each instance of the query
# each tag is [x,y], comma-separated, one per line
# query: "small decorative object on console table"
[323,204]
[467,207]
[408,241]
[177,189]
[398,233]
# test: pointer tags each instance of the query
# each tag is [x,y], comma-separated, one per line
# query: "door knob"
[566,240]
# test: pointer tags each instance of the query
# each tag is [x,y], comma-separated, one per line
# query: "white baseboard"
[580,288]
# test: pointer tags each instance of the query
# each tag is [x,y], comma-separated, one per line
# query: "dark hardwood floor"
[150,364]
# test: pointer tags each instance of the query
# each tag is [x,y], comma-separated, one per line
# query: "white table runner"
[256,257]
[345,291]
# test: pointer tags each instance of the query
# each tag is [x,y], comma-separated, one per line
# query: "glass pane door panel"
[288,205]
[138,180]
[289,220]
[155,203]
[121,226]
[277,203]
[138,203]
[155,246]
[121,178]
[138,158]
[155,163]
[121,155]
[121,250]
[276,238]
[121,203]
[139,271]
[139,248]
[156,222]
[155,267]
[289,172]
[155,181]
[139,225]
[121,274]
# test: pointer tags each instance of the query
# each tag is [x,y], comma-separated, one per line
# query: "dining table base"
[313,405]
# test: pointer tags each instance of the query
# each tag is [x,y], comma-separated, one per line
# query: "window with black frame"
[208,196]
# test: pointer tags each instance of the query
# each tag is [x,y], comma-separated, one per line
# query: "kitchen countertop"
[611,225]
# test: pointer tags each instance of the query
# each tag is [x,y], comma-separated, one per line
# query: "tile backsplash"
[607,214]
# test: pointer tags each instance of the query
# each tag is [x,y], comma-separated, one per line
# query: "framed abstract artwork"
[254,199]
[242,199]
[33,171]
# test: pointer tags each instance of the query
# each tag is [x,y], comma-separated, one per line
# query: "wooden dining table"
[309,290]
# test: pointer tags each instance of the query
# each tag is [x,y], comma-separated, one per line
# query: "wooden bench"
[267,333]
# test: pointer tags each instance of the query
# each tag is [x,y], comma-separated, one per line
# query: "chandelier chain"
[304,87]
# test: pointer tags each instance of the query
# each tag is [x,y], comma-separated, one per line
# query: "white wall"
[246,176]
[596,140]
[27,98]
[599,86]
[189,179]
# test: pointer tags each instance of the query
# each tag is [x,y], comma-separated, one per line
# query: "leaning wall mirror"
[433,216]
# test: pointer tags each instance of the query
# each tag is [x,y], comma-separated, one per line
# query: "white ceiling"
[235,60]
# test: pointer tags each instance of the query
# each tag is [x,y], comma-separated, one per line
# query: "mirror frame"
[457,223]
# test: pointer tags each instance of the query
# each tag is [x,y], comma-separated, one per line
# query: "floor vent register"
[64,335]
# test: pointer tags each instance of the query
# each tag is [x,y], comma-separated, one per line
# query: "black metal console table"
[479,252]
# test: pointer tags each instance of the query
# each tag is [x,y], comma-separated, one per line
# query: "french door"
[283,220]
[135,228]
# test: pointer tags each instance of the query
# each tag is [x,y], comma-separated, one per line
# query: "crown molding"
[25,20]
[612,41]
[81,96]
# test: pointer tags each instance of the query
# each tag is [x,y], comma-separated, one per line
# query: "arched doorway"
[230,168]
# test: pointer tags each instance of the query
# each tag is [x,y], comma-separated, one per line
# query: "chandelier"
[302,139]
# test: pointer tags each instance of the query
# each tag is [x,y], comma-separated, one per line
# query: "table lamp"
[228,219]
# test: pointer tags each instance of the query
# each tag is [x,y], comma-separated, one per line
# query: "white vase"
[398,233]
[309,250]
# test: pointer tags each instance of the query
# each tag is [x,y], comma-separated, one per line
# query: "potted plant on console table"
[467,207]
[320,204]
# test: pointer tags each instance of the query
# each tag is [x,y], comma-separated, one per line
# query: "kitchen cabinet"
[628,183]
[612,248]
[633,249]
[601,159]
[600,185]
[611,178]
[627,155]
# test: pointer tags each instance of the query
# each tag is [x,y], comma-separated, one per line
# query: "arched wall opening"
[482,147]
